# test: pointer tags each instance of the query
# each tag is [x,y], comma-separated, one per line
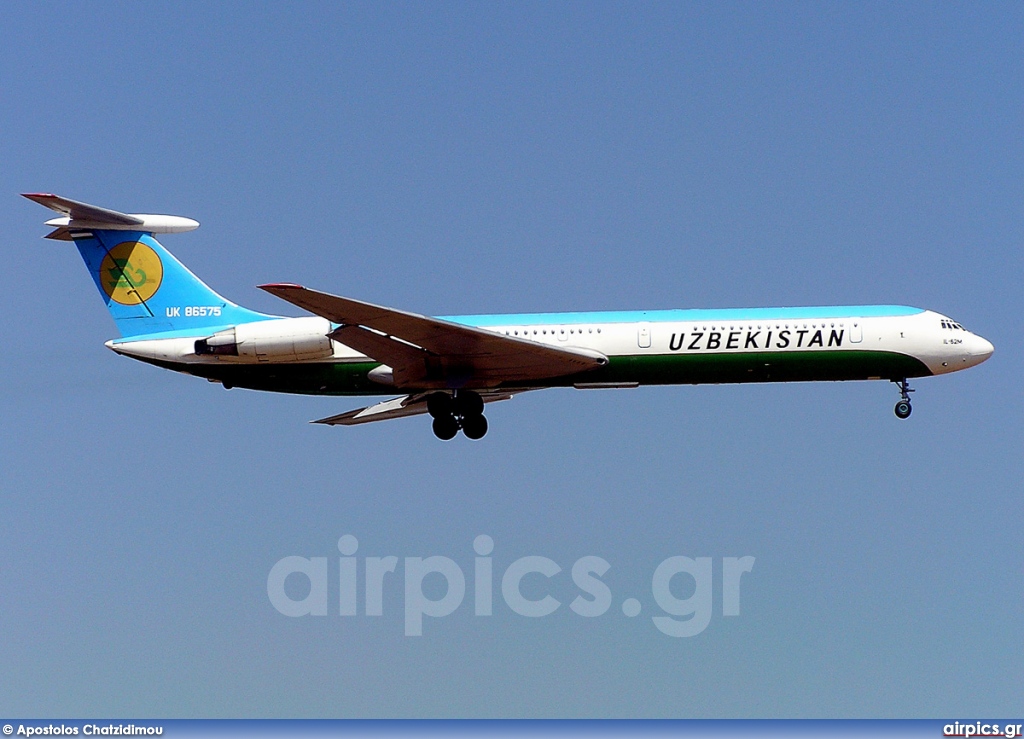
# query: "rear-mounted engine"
[280,340]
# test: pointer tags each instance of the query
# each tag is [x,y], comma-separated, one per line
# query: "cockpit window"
[952,325]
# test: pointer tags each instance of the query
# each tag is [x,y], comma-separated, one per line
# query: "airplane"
[451,367]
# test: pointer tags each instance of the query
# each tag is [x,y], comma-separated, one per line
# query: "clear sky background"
[484,158]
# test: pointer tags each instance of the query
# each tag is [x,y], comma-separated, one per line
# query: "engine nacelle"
[279,340]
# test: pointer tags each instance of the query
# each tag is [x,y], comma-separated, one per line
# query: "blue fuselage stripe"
[697,314]
[605,317]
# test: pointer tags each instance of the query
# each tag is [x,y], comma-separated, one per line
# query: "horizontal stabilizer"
[406,405]
[78,216]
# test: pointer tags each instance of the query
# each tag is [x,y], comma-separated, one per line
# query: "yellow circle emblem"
[131,273]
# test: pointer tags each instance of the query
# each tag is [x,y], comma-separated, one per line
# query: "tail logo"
[131,273]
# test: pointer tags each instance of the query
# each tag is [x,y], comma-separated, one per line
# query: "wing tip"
[271,286]
[42,198]
[339,420]
[328,421]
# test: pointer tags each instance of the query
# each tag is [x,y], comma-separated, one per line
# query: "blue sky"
[483,158]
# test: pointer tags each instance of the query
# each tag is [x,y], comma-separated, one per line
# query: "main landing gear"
[903,408]
[463,410]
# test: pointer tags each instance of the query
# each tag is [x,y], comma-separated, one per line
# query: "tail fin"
[145,288]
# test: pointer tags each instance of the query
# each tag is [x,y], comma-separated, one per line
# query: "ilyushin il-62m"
[451,367]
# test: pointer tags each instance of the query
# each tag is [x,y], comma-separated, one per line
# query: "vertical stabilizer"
[146,289]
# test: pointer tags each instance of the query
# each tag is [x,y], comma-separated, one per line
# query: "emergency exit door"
[643,335]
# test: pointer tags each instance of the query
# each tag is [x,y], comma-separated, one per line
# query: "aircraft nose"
[980,348]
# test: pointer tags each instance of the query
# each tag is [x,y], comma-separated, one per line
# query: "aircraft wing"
[406,405]
[431,352]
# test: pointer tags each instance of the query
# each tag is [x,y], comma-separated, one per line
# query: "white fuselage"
[784,338]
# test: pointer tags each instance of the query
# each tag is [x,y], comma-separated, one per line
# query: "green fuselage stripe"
[350,378]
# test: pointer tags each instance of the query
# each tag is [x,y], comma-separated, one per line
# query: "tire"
[439,405]
[903,409]
[468,403]
[445,427]
[474,427]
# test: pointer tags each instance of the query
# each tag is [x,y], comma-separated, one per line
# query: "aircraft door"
[643,335]
[856,331]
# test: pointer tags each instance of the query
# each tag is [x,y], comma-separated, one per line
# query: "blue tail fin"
[148,291]
[145,288]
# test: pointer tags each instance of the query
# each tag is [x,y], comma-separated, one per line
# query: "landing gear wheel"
[445,427]
[468,403]
[440,405]
[474,427]
[903,409]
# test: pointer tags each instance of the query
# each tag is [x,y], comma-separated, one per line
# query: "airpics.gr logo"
[131,273]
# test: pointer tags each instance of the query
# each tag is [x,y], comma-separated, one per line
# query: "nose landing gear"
[463,410]
[903,408]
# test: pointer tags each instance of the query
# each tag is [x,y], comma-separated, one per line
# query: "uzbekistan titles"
[784,339]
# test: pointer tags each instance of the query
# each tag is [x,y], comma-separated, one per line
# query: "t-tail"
[146,289]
